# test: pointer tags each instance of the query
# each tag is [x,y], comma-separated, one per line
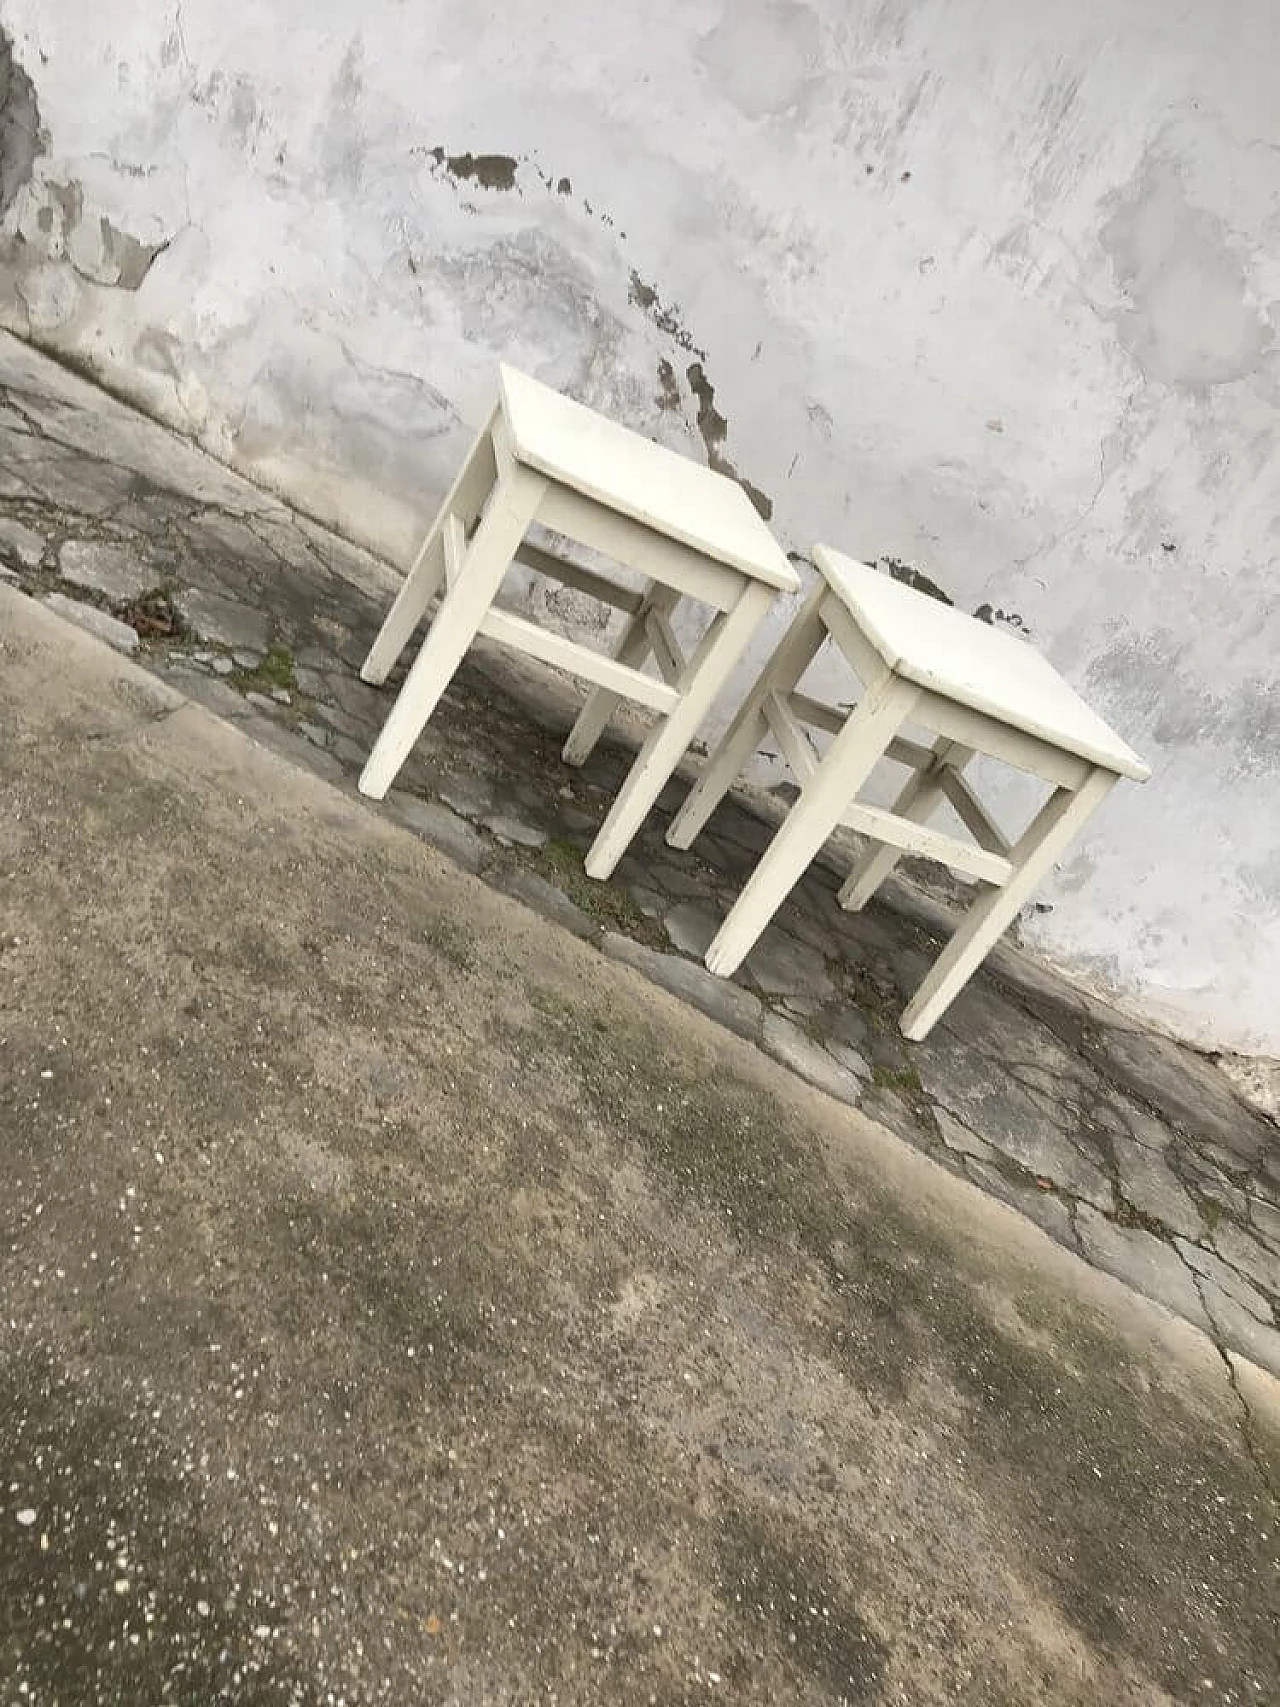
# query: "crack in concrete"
[1246,1414]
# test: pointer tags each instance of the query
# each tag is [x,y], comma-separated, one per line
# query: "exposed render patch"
[20,136]
[714,428]
[131,259]
[490,171]
[1189,318]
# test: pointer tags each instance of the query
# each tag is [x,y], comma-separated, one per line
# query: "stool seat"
[635,477]
[966,660]
[542,460]
[920,662]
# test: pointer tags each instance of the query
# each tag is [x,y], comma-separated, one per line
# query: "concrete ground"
[1131,1150]
[401,1300]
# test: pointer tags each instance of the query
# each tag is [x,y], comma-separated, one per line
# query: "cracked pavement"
[1131,1150]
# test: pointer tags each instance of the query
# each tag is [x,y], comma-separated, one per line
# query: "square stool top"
[967,660]
[640,479]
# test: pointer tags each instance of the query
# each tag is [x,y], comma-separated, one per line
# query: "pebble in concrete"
[95,621]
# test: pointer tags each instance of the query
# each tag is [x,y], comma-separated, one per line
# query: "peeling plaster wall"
[990,291]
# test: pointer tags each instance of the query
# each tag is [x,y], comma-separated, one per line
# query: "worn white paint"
[986,288]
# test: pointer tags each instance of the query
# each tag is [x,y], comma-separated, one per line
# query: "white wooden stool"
[981,690]
[690,532]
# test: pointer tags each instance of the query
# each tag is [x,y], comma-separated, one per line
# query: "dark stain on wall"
[1006,618]
[668,398]
[914,578]
[665,318]
[490,171]
[714,429]
[21,138]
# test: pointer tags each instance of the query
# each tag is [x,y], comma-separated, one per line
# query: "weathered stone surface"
[225,621]
[1245,1252]
[957,1136]
[1239,1328]
[1149,1185]
[720,1000]
[682,880]
[1024,1126]
[20,542]
[534,890]
[1189,1089]
[1046,1210]
[471,796]
[515,831]
[1142,1261]
[650,903]
[1257,1081]
[97,622]
[440,826]
[691,926]
[785,1041]
[784,967]
[1226,1279]
[113,570]
[1265,1220]
[853,1059]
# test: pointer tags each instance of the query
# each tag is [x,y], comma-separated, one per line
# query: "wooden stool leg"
[465,500]
[705,674]
[1045,839]
[844,767]
[792,657]
[511,509]
[600,704]
[920,794]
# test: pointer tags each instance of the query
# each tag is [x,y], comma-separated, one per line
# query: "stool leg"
[705,674]
[505,522]
[792,657]
[920,794]
[1045,839]
[600,704]
[844,767]
[465,500]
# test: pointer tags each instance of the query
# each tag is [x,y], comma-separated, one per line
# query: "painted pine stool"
[980,690]
[691,534]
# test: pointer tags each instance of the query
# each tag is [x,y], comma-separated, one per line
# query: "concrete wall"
[987,289]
